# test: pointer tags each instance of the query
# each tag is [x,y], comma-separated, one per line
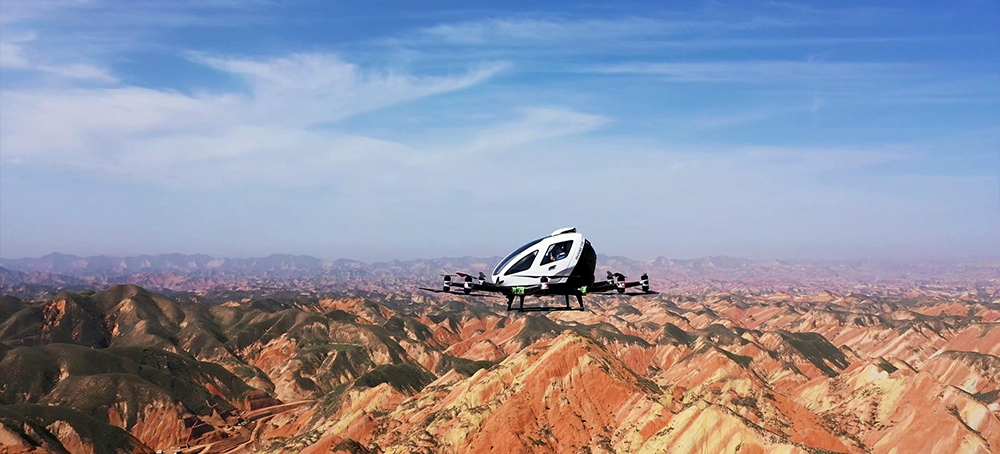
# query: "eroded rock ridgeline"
[127,370]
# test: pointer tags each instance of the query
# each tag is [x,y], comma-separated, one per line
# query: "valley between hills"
[729,358]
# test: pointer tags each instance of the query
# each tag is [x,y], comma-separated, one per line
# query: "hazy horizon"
[971,258]
[391,131]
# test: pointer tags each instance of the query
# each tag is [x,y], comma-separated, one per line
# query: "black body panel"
[583,272]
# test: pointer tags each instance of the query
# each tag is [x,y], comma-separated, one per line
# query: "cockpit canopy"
[554,251]
[564,257]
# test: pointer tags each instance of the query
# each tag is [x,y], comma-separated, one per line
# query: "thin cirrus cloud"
[535,33]
[130,129]
[857,82]
[534,124]
[310,89]
[522,31]
[274,133]
[15,54]
[697,30]
[761,71]
[12,50]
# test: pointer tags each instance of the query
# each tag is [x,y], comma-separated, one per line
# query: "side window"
[522,264]
[557,252]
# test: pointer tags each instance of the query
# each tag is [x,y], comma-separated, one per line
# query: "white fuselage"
[553,257]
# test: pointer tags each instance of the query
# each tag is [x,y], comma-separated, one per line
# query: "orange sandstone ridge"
[126,370]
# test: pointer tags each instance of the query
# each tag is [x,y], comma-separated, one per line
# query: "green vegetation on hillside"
[404,377]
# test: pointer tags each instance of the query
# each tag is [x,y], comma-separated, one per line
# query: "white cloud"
[311,89]
[80,71]
[530,31]
[537,123]
[12,49]
[760,71]
[14,54]
[275,133]
[519,31]
[711,122]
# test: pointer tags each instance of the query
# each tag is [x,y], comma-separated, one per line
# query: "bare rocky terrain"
[729,358]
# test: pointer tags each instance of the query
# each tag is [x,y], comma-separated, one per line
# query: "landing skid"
[546,309]
[520,306]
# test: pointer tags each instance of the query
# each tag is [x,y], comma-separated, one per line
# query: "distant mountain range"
[200,265]
[285,266]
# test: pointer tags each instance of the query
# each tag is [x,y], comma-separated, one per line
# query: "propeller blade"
[458,293]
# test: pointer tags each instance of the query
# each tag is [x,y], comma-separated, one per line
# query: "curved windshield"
[496,271]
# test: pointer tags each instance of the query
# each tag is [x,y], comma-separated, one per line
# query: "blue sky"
[386,130]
